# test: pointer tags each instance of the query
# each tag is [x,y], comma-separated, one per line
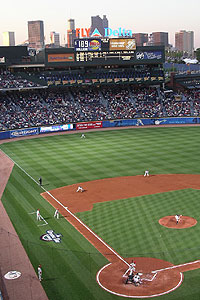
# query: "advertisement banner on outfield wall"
[153,121]
[23,132]
[89,125]
[56,128]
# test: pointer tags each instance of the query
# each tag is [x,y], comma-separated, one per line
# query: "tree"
[198,54]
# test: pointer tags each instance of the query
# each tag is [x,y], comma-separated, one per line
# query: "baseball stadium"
[99,175]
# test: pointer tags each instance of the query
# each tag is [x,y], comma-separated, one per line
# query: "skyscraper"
[8,38]
[160,38]
[184,41]
[140,38]
[55,39]
[36,34]
[71,32]
[99,23]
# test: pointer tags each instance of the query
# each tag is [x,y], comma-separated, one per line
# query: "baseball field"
[120,207]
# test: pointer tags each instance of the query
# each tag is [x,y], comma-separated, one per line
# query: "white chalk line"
[115,253]
[83,224]
[176,266]
[45,222]
[130,296]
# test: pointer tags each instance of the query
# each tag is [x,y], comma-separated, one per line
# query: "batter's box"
[148,276]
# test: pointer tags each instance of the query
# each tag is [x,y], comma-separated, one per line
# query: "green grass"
[130,226]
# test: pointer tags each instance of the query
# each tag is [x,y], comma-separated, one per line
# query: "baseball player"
[146,173]
[131,268]
[56,214]
[38,215]
[177,217]
[40,273]
[136,279]
[40,181]
[80,189]
[83,136]
[129,278]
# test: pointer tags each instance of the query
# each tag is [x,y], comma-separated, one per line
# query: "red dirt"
[13,256]
[185,222]
[109,189]
[111,278]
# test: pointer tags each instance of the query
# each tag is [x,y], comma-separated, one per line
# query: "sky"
[140,16]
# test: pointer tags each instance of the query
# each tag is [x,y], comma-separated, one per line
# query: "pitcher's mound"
[170,222]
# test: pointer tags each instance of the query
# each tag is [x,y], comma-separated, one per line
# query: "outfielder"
[38,215]
[146,173]
[83,136]
[80,189]
[40,273]
[56,214]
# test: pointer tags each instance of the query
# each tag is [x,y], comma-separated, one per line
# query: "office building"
[184,41]
[36,34]
[98,23]
[71,33]
[8,38]
[140,38]
[55,39]
[160,38]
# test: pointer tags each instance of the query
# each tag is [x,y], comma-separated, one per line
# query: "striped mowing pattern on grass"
[130,226]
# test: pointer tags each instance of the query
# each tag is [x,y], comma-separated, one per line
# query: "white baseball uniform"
[79,189]
[39,273]
[131,269]
[38,215]
[56,214]
[146,173]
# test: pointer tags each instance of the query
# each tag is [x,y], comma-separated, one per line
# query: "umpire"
[40,181]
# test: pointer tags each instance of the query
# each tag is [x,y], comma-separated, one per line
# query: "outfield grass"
[70,267]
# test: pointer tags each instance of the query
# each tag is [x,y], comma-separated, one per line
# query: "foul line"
[83,224]
[132,296]
[176,266]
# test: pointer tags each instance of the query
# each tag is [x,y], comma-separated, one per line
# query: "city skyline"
[145,18]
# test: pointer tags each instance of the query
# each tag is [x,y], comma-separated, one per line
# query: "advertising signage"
[89,125]
[61,57]
[87,45]
[117,32]
[149,55]
[122,44]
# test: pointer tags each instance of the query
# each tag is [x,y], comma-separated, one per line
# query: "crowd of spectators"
[11,81]
[22,109]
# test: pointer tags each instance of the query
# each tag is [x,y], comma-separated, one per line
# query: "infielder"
[38,215]
[40,273]
[80,189]
[146,173]
[131,268]
[178,217]
[56,214]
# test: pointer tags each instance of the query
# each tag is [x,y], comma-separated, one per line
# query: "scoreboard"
[99,50]
[95,51]
[86,56]
[87,45]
